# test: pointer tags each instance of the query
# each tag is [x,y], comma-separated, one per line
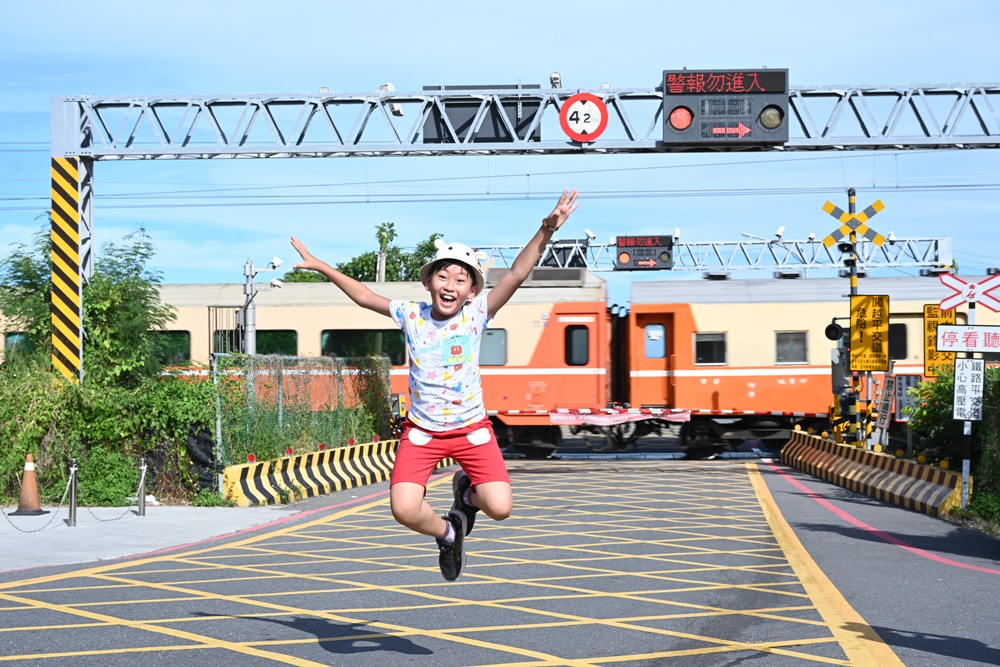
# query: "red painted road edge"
[875,531]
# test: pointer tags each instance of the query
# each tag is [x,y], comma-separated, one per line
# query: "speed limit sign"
[583,117]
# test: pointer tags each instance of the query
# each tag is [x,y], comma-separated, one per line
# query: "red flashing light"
[322,446]
[350,441]
[680,118]
[624,258]
[251,458]
[288,451]
[374,438]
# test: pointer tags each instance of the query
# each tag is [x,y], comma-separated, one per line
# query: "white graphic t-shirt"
[445,389]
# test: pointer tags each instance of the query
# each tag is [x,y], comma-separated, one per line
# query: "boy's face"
[450,287]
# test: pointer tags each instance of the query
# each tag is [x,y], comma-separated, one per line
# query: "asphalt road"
[605,562]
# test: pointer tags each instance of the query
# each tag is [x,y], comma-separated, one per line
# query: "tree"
[303,276]
[122,313]
[25,281]
[400,265]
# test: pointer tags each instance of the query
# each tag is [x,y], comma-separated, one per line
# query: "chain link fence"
[267,404]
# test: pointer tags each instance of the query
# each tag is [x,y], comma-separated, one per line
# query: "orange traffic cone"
[28,504]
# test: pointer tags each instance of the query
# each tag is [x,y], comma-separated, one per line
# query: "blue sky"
[62,48]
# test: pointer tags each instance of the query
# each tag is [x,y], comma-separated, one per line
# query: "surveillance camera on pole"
[250,290]
[394,108]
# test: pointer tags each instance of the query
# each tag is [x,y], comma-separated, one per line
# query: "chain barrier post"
[72,493]
[142,487]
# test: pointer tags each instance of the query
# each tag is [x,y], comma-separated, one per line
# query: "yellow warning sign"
[67,319]
[936,363]
[870,333]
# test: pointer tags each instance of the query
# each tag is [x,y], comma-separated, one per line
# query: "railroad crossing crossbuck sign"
[854,222]
[971,292]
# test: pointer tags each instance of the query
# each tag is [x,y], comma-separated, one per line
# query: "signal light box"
[644,253]
[719,108]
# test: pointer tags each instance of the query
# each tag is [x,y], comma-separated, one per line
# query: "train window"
[790,347]
[15,342]
[364,343]
[897,341]
[277,341]
[710,348]
[493,351]
[656,341]
[577,345]
[174,346]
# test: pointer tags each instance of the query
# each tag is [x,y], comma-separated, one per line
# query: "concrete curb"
[306,475]
[923,488]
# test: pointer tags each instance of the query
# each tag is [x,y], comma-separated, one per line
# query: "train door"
[582,379]
[653,360]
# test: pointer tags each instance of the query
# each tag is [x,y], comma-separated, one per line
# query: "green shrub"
[106,429]
[209,498]
[941,437]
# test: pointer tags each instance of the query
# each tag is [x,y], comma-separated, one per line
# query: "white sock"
[449,533]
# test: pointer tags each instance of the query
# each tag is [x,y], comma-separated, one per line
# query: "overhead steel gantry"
[728,256]
[507,121]
[394,123]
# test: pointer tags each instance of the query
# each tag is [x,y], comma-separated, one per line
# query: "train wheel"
[536,442]
[597,440]
[698,443]
[623,435]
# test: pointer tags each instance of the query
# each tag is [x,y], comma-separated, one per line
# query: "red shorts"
[474,446]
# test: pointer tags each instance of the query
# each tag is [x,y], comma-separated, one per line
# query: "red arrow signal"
[646,262]
[740,130]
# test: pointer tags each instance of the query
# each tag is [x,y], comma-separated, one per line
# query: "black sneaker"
[452,556]
[459,483]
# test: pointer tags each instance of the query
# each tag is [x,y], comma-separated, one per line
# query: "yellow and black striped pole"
[67,297]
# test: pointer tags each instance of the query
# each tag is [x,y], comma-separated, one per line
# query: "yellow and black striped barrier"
[306,475]
[912,485]
[67,312]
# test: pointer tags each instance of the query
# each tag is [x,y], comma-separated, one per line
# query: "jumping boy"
[447,418]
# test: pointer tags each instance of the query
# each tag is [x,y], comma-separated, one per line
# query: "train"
[715,362]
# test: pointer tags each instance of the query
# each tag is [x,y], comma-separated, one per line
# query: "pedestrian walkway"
[106,533]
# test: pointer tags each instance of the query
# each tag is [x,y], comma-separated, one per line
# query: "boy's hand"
[308,261]
[567,204]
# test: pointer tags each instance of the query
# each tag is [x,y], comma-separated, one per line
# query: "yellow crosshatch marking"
[856,223]
[631,562]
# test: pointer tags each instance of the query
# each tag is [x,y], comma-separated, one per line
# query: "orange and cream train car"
[546,350]
[727,360]
[749,358]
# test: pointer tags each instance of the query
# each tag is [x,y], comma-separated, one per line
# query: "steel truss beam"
[391,123]
[742,255]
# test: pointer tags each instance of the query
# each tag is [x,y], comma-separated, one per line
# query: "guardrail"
[923,488]
[302,476]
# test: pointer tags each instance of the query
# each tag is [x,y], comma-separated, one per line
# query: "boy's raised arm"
[355,291]
[531,253]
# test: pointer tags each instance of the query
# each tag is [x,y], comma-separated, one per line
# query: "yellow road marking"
[318,541]
[862,645]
